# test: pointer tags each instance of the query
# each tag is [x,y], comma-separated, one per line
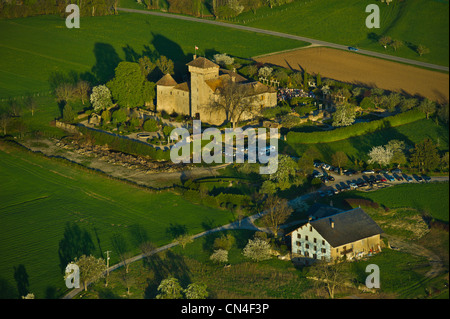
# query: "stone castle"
[194,96]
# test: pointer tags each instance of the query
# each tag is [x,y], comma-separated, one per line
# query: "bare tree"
[278,211]
[329,275]
[339,159]
[31,104]
[82,90]
[234,99]
[5,119]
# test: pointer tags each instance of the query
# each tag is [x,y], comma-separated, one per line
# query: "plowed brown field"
[368,71]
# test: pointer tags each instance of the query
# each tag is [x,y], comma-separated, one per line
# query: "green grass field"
[429,197]
[38,196]
[343,21]
[33,48]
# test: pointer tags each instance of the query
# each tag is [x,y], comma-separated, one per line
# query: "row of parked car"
[370,178]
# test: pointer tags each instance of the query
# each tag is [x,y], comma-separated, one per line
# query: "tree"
[297,79]
[421,50]
[427,106]
[169,288]
[151,125]
[408,104]
[91,269]
[223,59]
[444,163]
[184,239]
[129,86]
[219,256]
[339,159]
[5,119]
[277,211]
[119,116]
[265,71]
[396,44]
[64,93]
[165,65]
[268,187]
[146,66]
[100,97]
[345,115]
[425,156]
[329,276]
[380,155]
[285,173]
[385,41]
[31,104]
[224,242]
[398,151]
[196,291]
[68,113]
[106,116]
[233,99]
[82,90]
[257,249]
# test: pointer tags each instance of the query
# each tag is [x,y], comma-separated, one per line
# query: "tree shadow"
[21,278]
[164,265]
[175,230]
[107,60]
[138,234]
[75,243]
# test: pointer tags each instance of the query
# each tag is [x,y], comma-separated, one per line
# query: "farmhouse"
[329,235]
[194,96]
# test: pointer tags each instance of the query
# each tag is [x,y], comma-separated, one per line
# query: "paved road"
[289,36]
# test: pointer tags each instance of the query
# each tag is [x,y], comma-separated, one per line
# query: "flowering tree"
[257,249]
[381,155]
[344,115]
[219,256]
[100,97]
[223,59]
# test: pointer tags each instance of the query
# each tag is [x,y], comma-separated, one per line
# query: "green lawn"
[33,48]
[38,196]
[414,22]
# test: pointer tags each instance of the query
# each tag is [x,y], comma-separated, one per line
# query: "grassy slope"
[343,21]
[428,197]
[32,48]
[358,147]
[39,196]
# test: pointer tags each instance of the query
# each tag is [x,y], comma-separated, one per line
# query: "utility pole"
[107,267]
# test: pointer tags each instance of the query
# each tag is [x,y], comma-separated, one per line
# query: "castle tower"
[201,70]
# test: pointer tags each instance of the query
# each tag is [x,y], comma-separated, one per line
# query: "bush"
[151,125]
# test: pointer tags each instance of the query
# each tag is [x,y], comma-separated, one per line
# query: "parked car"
[426,178]
[330,178]
[317,174]
[407,178]
[350,172]
[381,179]
[396,171]
[368,171]
[353,49]
[353,186]
[398,177]
[389,177]
[418,178]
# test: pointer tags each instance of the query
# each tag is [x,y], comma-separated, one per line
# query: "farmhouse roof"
[319,210]
[166,80]
[346,227]
[202,63]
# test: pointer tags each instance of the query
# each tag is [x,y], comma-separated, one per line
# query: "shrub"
[151,125]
